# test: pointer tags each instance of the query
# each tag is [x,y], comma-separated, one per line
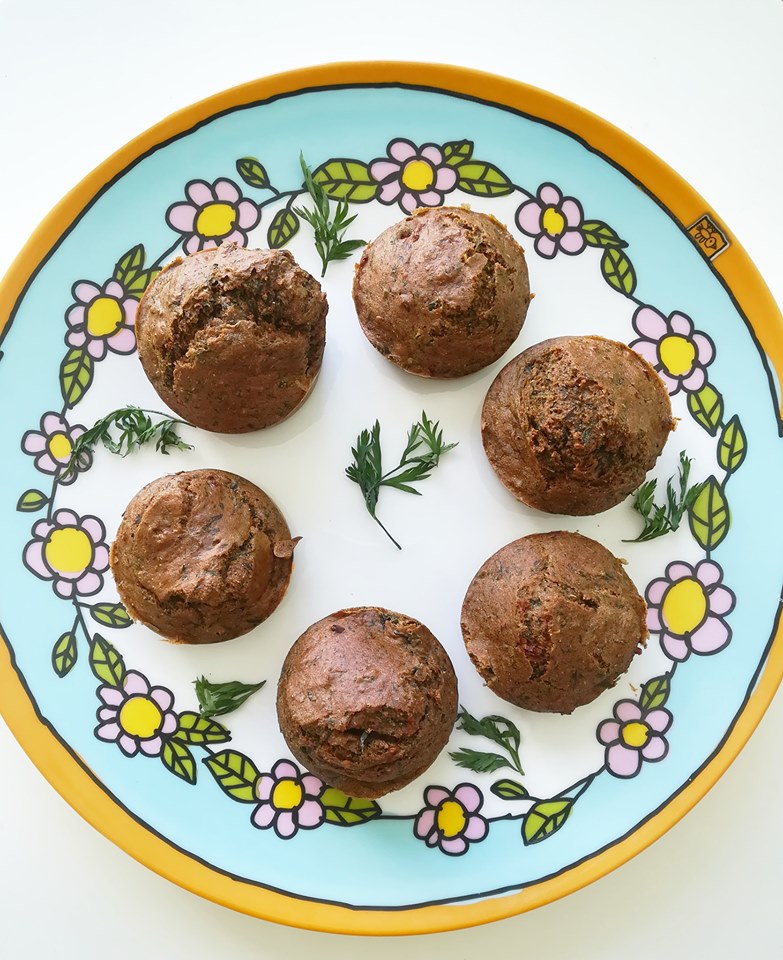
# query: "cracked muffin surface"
[443,293]
[573,424]
[366,700]
[232,339]
[552,620]
[201,556]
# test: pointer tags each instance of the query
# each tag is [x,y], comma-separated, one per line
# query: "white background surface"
[699,83]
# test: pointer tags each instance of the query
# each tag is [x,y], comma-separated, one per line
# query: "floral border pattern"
[687,606]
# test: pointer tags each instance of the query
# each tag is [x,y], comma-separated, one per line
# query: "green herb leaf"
[478,761]
[706,408]
[136,429]
[218,699]
[709,515]
[328,233]
[509,790]
[31,501]
[655,692]
[424,448]
[600,234]
[236,775]
[106,663]
[64,654]
[544,819]
[732,446]
[345,811]
[618,270]
[76,373]
[111,615]
[196,730]
[284,227]
[252,172]
[660,520]
[498,729]
[176,757]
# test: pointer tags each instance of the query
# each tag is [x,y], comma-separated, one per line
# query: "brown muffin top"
[443,293]
[201,556]
[573,424]
[232,339]
[552,620]
[367,699]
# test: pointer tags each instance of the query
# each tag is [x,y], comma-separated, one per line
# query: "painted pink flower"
[289,800]
[687,608]
[679,353]
[212,215]
[52,446]
[633,736]
[413,176]
[554,220]
[450,820]
[136,717]
[101,318]
[69,550]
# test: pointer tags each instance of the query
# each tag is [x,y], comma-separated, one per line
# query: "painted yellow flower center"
[59,446]
[68,550]
[418,175]
[140,717]
[684,606]
[216,220]
[287,794]
[451,818]
[677,354]
[553,222]
[104,315]
[635,734]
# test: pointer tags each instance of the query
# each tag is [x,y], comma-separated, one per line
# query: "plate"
[617,245]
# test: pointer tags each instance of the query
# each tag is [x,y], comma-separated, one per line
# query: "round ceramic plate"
[521,807]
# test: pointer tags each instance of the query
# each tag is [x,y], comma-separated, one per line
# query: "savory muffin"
[573,424]
[443,293]
[366,700]
[202,556]
[232,339]
[551,620]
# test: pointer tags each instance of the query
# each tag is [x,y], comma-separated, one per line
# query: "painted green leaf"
[732,446]
[76,372]
[545,818]
[284,226]
[111,615]
[706,408]
[483,179]
[618,270]
[346,180]
[64,654]
[600,234]
[709,515]
[509,790]
[347,811]
[105,662]
[252,172]
[141,281]
[177,758]
[129,264]
[456,152]
[236,775]
[198,730]
[31,501]
[655,692]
